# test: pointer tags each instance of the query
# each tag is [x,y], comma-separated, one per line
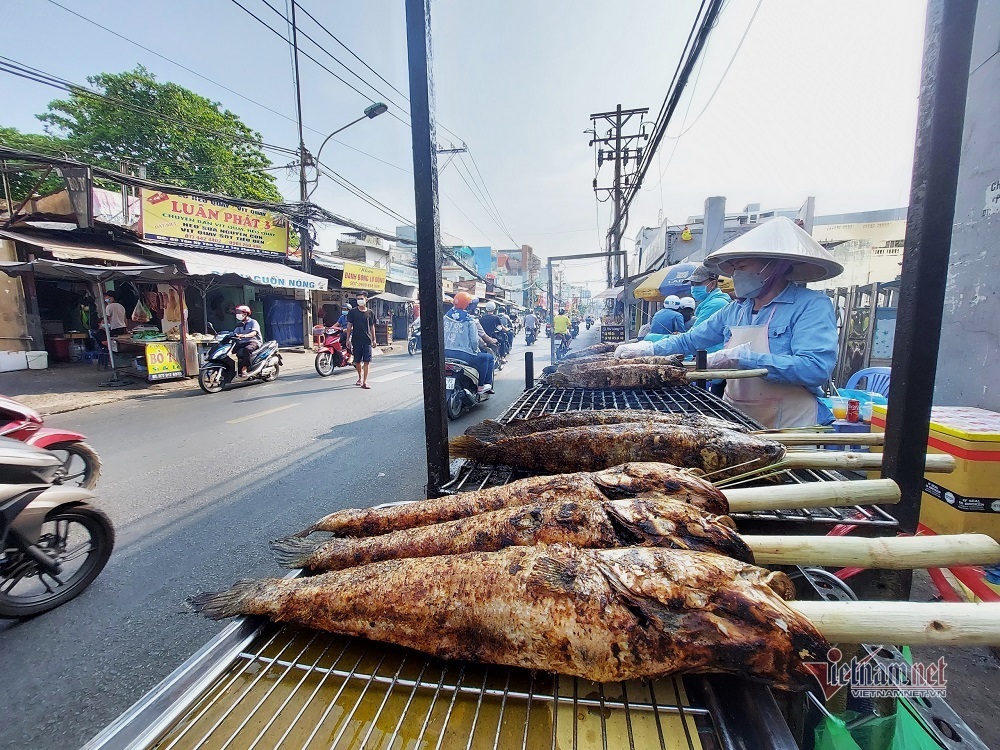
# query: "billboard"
[211,225]
[357,276]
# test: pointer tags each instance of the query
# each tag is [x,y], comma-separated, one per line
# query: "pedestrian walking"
[361,338]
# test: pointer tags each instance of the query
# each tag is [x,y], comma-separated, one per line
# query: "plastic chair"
[877,379]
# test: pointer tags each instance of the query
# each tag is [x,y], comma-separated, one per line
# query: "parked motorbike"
[413,345]
[530,336]
[331,353]
[562,345]
[461,387]
[221,366]
[53,542]
[81,466]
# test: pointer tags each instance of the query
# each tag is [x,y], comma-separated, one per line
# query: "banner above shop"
[210,225]
[357,276]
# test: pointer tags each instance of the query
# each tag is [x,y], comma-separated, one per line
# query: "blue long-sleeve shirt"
[667,321]
[709,307]
[802,336]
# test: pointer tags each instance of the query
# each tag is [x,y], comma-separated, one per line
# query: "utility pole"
[623,152]
[305,157]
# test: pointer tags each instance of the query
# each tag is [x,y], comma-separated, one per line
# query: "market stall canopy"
[781,239]
[390,297]
[670,280]
[72,247]
[66,271]
[610,293]
[258,271]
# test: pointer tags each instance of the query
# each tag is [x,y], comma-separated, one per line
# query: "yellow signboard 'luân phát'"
[357,276]
[197,223]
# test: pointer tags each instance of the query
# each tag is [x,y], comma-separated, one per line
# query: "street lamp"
[371,112]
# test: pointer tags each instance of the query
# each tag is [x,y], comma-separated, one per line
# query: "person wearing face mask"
[361,338]
[774,324]
[250,339]
[708,297]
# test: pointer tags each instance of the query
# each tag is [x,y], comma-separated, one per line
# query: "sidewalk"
[68,387]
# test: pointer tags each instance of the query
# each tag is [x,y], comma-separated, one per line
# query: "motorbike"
[331,353]
[413,345]
[53,541]
[589,322]
[548,330]
[574,328]
[81,466]
[562,345]
[220,367]
[461,387]
[530,336]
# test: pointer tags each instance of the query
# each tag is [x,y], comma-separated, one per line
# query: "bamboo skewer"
[905,623]
[887,553]
[724,374]
[825,438]
[942,463]
[813,495]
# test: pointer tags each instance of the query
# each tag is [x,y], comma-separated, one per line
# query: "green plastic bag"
[900,732]
[832,734]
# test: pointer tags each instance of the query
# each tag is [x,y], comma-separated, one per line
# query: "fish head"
[641,477]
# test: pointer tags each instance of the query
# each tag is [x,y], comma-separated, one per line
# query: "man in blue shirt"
[709,298]
[774,324]
[461,340]
[669,319]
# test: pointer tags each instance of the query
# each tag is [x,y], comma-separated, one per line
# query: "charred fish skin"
[721,453]
[603,615]
[591,350]
[623,376]
[640,477]
[649,520]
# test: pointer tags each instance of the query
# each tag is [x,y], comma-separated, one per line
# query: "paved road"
[196,486]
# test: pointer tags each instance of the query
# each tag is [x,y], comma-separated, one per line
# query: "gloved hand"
[638,349]
[728,358]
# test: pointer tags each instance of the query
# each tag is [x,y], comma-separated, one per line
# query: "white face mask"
[241,317]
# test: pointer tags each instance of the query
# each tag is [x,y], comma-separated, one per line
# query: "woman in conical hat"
[774,323]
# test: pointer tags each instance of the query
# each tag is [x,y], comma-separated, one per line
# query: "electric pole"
[305,157]
[623,148]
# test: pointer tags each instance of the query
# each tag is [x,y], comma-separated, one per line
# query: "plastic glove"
[726,358]
[638,349]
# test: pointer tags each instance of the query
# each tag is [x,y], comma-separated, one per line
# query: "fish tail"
[222,604]
[487,431]
[307,531]
[466,446]
[293,552]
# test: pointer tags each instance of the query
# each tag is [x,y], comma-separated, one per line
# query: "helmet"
[562,310]
[688,302]
[347,306]
[242,309]
[462,300]
[672,302]
[491,306]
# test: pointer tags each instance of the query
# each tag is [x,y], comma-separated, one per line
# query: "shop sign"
[357,276]
[162,362]
[213,225]
[612,334]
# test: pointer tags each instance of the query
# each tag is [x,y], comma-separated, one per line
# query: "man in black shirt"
[492,324]
[361,338]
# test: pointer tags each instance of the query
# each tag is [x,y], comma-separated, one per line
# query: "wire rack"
[683,399]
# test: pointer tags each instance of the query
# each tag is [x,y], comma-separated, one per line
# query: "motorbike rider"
[250,338]
[461,340]
[669,319]
[530,324]
[494,327]
[560,323]
[687,312]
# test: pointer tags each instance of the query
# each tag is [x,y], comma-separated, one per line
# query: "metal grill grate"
[685,399]
[302,689]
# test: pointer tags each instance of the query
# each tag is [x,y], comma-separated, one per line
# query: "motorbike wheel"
[324,364]
[80,538]
[211,379]
[411,347]
[455,405]
[272,376]
[81,464]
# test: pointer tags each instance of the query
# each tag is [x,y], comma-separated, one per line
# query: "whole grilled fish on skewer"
[606,360]
[628,376]
[489,431]
[721,453]
[628,480]
[603,615]
[591,350]
[650,520]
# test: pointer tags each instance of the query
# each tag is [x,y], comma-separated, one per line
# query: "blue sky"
[820,100]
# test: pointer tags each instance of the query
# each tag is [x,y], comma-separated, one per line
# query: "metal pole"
[936,158]
[552,337]
[529,370]
[425,188]
[107,332]
[616,227]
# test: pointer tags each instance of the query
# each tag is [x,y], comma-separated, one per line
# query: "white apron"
[772,404]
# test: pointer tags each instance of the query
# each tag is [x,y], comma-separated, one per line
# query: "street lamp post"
[371,112]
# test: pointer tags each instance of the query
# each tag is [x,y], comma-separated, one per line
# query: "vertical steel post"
[552,330]
[529,370]
[617,228]
[941,116]
[425,188]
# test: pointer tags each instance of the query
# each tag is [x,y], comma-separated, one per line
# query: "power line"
[492,202]
[358,192]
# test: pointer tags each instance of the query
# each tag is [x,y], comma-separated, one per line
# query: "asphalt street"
[196,486]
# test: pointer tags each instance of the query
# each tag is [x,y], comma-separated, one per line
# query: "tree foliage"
[22,182]
[181,138]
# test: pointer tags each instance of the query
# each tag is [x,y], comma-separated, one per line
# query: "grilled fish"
[624,481]
[647,521]
[603,615]
[721,453]
[579,365]
[488,431]
[587,351]
[619,376]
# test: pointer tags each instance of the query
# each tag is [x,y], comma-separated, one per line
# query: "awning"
[670,280]
[66,271]
[72,248]
[610,293]
[261,272]
[390,297]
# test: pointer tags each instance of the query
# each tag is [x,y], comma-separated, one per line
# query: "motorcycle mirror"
[211,330]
